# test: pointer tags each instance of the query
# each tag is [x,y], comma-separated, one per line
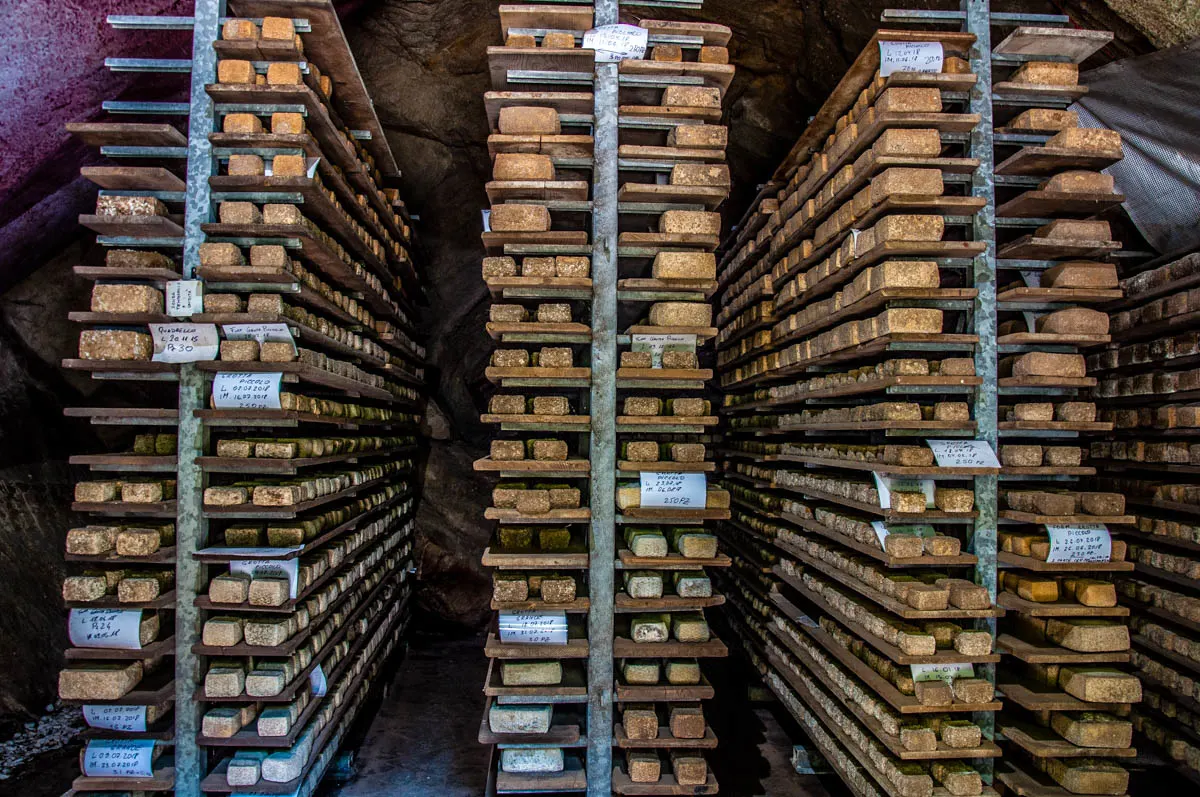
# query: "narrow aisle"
[422,740]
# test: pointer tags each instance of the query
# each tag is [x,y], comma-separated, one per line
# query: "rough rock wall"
[424,62]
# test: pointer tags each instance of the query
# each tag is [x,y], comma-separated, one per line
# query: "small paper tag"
[129,719]
[487,219]
[119,758]
[242,390]
[118,629]
[673,490]
[886,485]
[317,682]
[963,454]
[310,166]
[533,627]
[185,297]
[657,344]
[263,333]
[269,568]
[1032,279]
[184,343]
[1082,542]
[614,43]
[807,621]
[942,672]
[909,57]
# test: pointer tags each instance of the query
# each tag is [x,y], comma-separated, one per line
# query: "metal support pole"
[983,184]
[191,530]
[603,440]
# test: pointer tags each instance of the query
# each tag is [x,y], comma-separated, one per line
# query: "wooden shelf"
[301,372]
[572,689]
[571,779]
[625,648]
[557,736]
[285,419]
[664,466]
[657,515]
[535,332]
[539,377]
[1048,700]
[535,560]
[251,511]
[1063,520]
[663,740]
[164,601]
[1022,293]
[1022,784]
[161,647]
[161,509]
[554,516]
[664,693]
[1039,566]
[495,649]
[540,287]
[1054,654]
[542,423]
[933,516]
[1044,743]
[162,779]
[884,469]
[665,785]
[580,605]
[674,561]
[1016,603]
[624,604]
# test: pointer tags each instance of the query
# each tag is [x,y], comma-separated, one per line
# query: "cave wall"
[424,62]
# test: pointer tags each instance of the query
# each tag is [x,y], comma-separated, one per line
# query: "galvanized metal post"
[978,21]
[191,530]
[603,441]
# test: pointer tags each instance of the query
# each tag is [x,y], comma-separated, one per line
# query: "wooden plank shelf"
[123,463]
[156,688]
[664,693]
[557,736]
[293,466]
[668,377]
[1039,566]
[1021,382]
[127,134]
[544,423]
[120,319]
[710,197]
[160,647]
[538,377]
[884,469]
[161,509]
[1016,603]
[495,649]
[571,779]
[666,515]
[1051,339]
[673,113]
[1022,784]
[533,559]
[135,370]
[565,102]
[674,561]
[540,287]
[580,605]
[1016,471]
[1046,160]
[500,191]
[1054,426]
[663,740]
[890,384]
[535,332]
[572,688]
[871,426]
[1031,247]
[161,779]
[876,300]
[165,600]
[934,516]
[624,604]
[288,419]
[666,783]
[124,416]
[1022,293]
[1043,699]
[634,422]
[164,555]
[554,516]
[1043,743]
[252,511]
[667,241]
[1063,520]
[128,226]
[626,648]
[1054,654]
[496,242]
[664,466]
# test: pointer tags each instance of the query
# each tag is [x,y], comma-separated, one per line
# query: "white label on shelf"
[310,167]
[1081,542]
[657,344]
[882,531]
[263,333]
[119,758]
[316,680]
[246,391]
[805,620]
[614,43]
[886,485]
[184,343]
[942,672]
[487,219]
[909,57]
[185,297]
[118,629]
[266,568]
[1033,279]
[673,490]
[963,454]
[130,719]
[533,627]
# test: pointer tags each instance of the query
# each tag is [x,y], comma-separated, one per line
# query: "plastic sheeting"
[1153,101]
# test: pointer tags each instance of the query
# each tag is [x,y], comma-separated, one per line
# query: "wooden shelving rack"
[810,407]
[323,487]
[593,168]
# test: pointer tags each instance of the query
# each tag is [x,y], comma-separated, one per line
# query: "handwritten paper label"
[119,758]
[129,719]
[909,57]
[531,627]
[886,485]
[963,454]
[241,390]
[118,629]
[882,531]
[942,672]
[317,682]
[674,490]
[185,297]
[263,333]
[487,219]
[266,568]
[184,343]
[1083,542]
[614,43]
[657,344]
[310,166]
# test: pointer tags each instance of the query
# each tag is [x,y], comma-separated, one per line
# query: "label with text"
[614,43]
[317,682]
[942,672]
[963,454]
[118,629]
[657,344]
[263,333]
[128,719]
[909,57]
[184,343]
[531,627]
[267,568]
[1080,542]
[886,485]
[233,390]
[185,297]
[673,490]
[119,758]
